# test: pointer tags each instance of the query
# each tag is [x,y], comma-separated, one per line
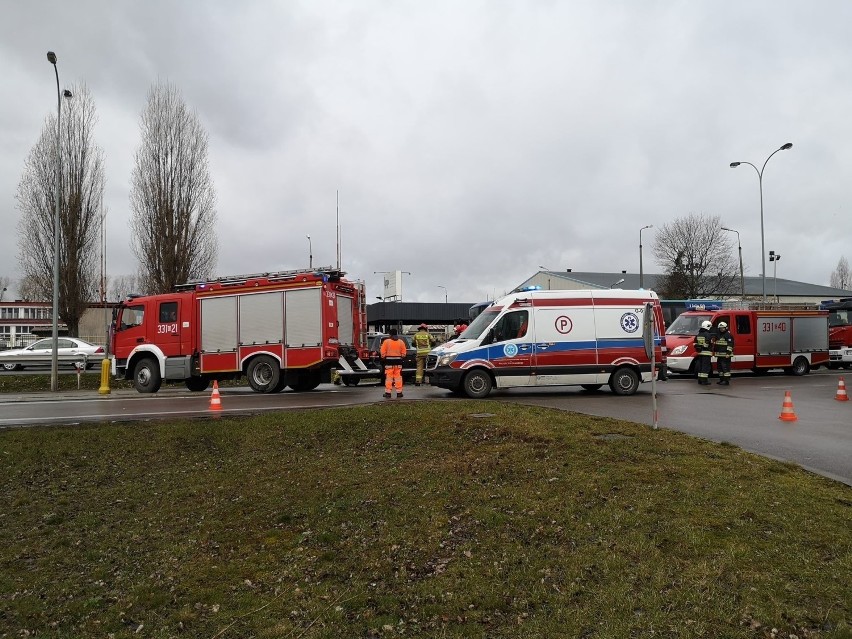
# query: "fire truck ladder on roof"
[274,276]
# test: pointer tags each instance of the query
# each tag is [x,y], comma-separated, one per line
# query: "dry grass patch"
[414,519]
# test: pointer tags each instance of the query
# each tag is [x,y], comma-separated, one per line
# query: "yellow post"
[105,371]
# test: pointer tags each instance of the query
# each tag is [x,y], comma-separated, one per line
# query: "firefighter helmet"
[723,326]
[706,325]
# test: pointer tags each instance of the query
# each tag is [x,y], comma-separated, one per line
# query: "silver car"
[67,346]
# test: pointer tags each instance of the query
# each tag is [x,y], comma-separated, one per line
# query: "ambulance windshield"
[477,327]
[686,324]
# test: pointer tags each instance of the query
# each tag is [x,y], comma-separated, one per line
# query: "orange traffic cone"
[787,412]
[841,395]
[215,399]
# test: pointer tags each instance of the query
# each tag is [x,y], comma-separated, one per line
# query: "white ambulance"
[553,338]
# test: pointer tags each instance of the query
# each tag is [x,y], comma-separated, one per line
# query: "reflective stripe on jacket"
[702,342]
[724,346]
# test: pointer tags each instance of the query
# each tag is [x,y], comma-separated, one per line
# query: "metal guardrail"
[47,358]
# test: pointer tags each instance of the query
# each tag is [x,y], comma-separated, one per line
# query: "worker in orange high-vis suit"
[393,352]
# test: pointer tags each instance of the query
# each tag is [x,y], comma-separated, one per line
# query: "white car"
[67,346]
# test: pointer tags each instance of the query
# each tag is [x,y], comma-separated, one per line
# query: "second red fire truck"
[795,340]
[283,329]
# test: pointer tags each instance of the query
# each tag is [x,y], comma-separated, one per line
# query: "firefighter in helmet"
[723,348]
[704,351]
[423,344]
[393,352]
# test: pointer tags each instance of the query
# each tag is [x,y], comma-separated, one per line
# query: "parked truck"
[282,329]
[839,332]
[554,338]
[793,339]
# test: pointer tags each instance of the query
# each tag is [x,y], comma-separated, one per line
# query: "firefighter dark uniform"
[703,352]
[723,347]
[393,352]
[423,344]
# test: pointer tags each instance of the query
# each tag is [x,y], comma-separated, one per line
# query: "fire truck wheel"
[624,381]
[477,384]
[197,384]
[263,374]
[146,376]
[800,367]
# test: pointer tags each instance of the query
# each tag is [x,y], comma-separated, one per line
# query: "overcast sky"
[470,142]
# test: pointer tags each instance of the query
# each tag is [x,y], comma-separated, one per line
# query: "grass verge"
[421,519]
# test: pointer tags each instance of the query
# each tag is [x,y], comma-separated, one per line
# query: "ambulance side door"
[511,347]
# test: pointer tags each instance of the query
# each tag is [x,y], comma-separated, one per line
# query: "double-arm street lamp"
[740,248]
[734,165]
[54,360]
[445,292]
[641,273]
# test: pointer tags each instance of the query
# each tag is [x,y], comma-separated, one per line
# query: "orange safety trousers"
[393,376]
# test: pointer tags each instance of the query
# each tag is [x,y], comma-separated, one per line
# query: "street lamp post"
[740,248]
[614,284]
[54,360]
[641,273]
[445,292]
[774,257]
[310,253]
[788,145]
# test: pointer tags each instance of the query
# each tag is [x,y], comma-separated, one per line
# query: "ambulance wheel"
[197,384]
[263,374]
[146,376]
[800,367]
[477,384]
[350,381]
[591,387]
[624,381]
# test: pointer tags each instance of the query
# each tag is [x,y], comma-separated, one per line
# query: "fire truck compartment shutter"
[303,317]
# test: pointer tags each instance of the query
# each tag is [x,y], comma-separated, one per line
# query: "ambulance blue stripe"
[557,347]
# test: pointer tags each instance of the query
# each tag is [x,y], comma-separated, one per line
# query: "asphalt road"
[745,414]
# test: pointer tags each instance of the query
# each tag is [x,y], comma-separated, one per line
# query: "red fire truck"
[288,328]
[794,339]
[839,332]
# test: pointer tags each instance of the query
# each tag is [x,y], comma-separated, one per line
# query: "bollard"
[105,370]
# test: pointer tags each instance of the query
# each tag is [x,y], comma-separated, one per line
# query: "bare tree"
[840,277]
[172,195]
[80,199]
[120,286]
[28,291]
[698,259]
